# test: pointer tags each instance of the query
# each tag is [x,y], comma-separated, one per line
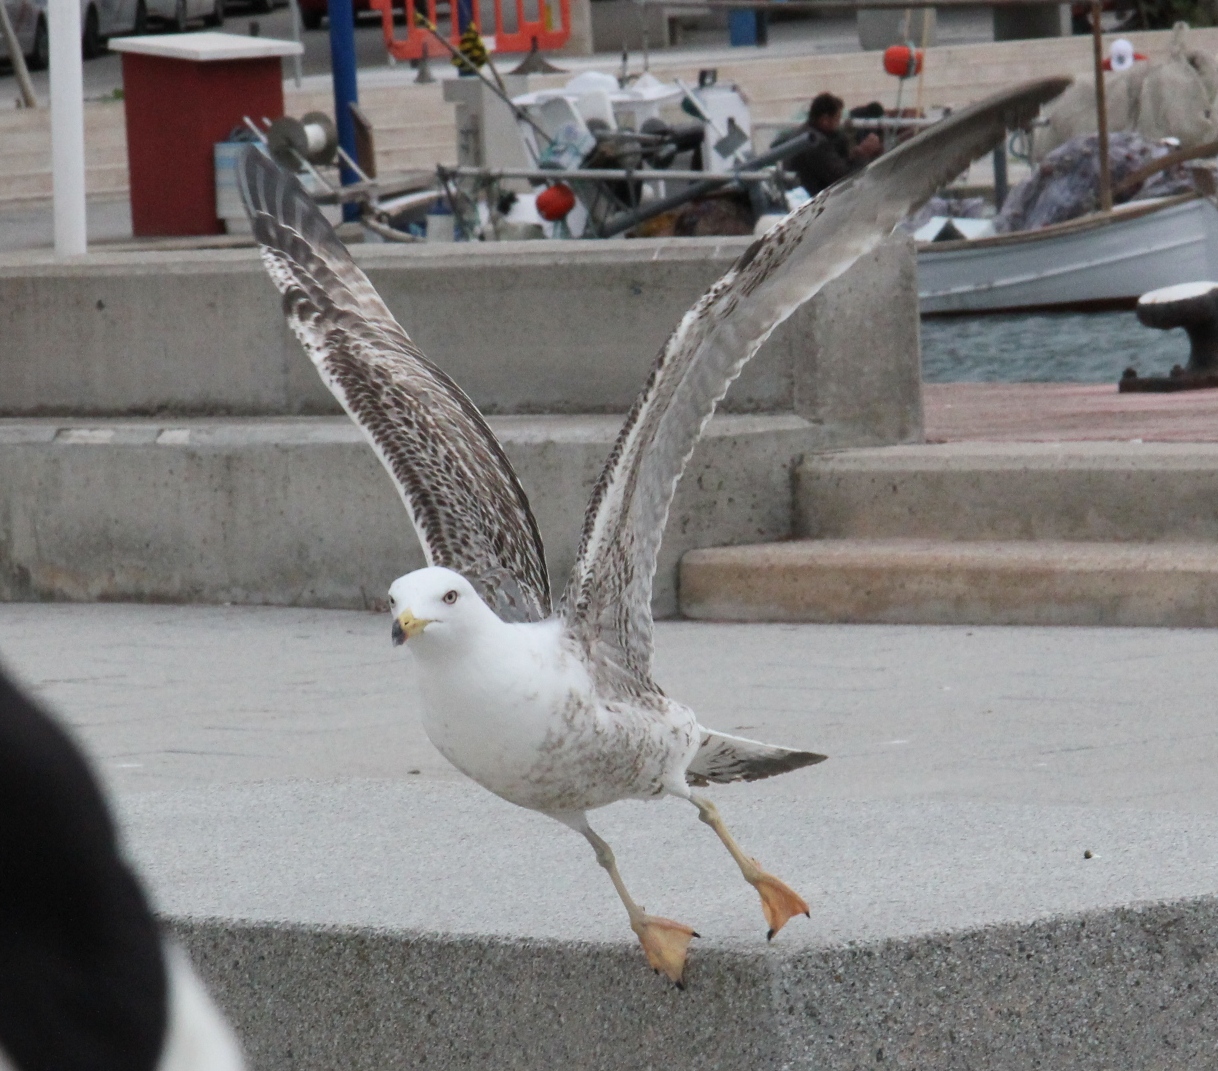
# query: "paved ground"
[970,770]
[178,697]
[274,785]
[1061,412]
[32,226]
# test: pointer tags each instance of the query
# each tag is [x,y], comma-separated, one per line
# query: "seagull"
[556,709]
[87,981]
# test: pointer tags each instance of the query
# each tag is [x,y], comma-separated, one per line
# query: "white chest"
[491,713]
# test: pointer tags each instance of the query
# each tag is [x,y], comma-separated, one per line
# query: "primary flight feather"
[557,711]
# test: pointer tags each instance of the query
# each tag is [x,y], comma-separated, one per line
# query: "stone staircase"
[1086,533]
[193,455]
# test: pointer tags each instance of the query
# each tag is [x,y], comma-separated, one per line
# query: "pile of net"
[946,204]
[1174,97]
[1066,183]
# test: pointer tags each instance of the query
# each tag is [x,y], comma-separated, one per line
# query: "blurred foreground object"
[86,981]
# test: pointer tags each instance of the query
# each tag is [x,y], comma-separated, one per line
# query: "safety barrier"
[540,32]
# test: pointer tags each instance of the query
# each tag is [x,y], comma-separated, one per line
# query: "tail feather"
[723,759]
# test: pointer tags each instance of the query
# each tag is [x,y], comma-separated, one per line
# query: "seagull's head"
[437,601]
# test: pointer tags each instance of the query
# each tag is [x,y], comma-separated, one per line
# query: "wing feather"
[608,597]
[723,759]
[459,488]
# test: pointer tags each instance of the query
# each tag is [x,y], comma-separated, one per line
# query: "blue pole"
[346,93]
[744,27]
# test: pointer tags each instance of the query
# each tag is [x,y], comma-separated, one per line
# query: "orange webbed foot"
[665,943]
[779,902]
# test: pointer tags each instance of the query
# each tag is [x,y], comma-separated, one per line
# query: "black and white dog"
[86,979]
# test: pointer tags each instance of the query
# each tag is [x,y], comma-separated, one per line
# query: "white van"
[102,19]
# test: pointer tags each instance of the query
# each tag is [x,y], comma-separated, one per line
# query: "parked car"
[175,14]
[29,19]
[102,19]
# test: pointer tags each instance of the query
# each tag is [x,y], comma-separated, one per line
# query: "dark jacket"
[824,161]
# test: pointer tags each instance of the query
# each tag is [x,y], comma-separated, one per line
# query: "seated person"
[830,155]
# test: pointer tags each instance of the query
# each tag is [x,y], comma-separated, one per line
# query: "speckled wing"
[464,498]
[608,598]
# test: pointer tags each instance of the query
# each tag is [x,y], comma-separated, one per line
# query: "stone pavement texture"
[358,904]
[1063,412]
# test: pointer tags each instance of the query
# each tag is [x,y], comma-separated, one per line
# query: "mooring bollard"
[1193,306]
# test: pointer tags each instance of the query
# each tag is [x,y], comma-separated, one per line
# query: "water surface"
[1051,347]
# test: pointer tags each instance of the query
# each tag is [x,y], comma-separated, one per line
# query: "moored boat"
[1103,260]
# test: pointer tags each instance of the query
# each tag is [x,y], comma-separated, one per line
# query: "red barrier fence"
[540,31]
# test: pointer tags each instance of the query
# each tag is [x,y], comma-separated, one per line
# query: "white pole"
[296,63]
[67,128]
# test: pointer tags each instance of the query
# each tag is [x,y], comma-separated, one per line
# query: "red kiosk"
[182,94]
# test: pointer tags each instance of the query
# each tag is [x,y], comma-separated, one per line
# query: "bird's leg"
[664,941]
[779,901]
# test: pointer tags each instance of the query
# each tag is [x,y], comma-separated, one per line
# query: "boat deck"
[1065,412]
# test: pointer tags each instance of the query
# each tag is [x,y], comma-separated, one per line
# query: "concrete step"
[553,330]
[910,581]
[300,512]
[1098,491]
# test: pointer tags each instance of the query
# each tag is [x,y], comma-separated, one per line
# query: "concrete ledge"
[524,327]
[928,582]
[1118,990]
[300,512]
[374,925]
[1100,491]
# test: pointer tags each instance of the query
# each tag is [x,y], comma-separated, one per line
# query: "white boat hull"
[1092,262]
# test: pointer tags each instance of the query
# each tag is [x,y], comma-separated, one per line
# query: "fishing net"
[1065,185]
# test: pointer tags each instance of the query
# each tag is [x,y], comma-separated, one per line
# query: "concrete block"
[854,350]
[300,512]
[486,127]
[928,582]
[531,327]
[144,333]
[1111,990]
[1099,491]
[618,24]
[878,29]
[373,925]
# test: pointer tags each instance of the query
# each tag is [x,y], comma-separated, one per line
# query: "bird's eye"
[450,597]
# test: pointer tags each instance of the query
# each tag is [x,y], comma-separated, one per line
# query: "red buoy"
[901,61]
[554,202]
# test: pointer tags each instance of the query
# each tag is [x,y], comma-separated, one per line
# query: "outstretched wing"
[723,759]
[467,505]
[608,597]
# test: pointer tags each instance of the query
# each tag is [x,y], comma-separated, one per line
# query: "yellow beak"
[406,625]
